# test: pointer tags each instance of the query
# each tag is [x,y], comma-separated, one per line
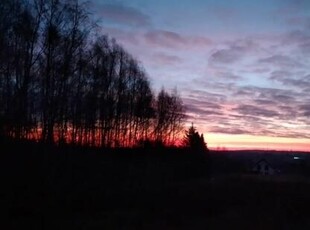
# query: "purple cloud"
[201,103]
[236,51]
[124,15]
[200,41]
[264,102]
[228,130]
[169,39]
[259,70]
[226,56]
[289,79]
[202,95]
[305,47]
[279,74]
[255,111]
[305,109]
[267,111]
[296,37]
[283,96]
[281,61]
[166,59]
[164,38]
[228,76]
[201,111]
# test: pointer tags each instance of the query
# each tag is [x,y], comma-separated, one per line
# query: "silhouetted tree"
[169,117]
[58,84]
[193,140]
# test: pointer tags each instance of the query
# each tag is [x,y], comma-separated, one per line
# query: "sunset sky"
[242,67]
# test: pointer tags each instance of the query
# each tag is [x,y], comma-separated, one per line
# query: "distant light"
[296,158]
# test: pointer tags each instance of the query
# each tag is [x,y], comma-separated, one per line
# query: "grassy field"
[71,188]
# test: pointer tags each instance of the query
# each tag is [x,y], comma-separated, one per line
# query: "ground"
[48,188]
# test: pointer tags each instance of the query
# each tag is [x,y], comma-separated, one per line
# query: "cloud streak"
[164,38]
[170,40]
[256,111]
[166,59]
[281,61]
[124,15]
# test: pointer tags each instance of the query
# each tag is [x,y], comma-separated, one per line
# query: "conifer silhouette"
[194,140]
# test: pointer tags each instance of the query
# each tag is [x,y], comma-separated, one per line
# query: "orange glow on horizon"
[215,141]
[242,141]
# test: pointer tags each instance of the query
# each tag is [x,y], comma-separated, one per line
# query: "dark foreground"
[72,188]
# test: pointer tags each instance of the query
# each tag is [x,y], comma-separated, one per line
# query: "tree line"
[61,81]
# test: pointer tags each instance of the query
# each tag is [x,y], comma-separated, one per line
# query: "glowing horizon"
[242,142]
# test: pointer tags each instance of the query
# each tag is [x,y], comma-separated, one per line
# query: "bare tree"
[60,85]
[169,117]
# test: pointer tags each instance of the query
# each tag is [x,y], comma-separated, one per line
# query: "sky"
[242,67]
